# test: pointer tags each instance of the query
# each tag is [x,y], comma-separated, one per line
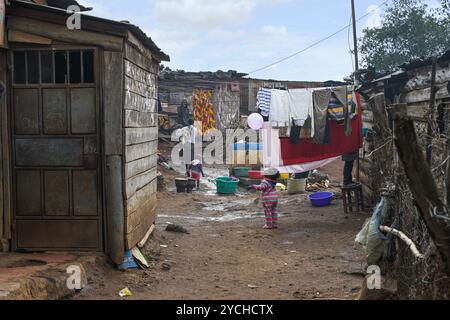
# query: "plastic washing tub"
[226,185]
[241,172]
[181,184]
[257,175]
[321,199]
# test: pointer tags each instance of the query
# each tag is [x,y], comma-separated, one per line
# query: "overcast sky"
[244,35]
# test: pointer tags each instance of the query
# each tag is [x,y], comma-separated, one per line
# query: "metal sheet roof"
[59,7]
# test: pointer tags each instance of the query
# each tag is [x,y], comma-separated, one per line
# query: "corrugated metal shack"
[174,86]
[406,161]
[79,132]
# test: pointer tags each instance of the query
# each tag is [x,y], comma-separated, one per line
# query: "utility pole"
[355,40]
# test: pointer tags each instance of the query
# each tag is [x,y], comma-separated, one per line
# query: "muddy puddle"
[226,210]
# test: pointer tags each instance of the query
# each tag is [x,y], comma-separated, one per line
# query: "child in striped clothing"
[269,197]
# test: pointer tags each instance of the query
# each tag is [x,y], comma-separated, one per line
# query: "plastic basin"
[364,132]
[241,172]
[321,199]
[181,184]
[257,175]
[226,185]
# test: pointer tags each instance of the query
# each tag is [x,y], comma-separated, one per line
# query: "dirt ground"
[227,254]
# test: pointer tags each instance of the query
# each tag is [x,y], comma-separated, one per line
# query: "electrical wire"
[317,42]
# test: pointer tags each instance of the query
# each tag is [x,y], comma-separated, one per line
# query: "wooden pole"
[432,118]
[355,40]
[426,194]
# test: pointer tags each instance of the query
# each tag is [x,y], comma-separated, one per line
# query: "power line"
[319,41]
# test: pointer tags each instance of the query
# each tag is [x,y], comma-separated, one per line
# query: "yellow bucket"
[285,176]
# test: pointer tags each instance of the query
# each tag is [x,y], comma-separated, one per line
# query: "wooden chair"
[353,198]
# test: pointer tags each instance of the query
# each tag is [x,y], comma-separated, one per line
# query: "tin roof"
[401,74]
[59,7]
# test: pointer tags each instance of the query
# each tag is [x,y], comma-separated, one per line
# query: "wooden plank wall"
[5,185]
[140,142]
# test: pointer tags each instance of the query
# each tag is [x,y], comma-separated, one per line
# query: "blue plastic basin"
[321,199]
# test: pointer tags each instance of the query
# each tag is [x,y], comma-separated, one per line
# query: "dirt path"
[227,254]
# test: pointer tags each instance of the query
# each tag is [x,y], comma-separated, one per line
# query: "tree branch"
[405,239]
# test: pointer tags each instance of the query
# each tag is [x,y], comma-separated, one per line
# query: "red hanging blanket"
[306,151]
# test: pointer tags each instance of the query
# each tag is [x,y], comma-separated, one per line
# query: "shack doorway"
[56,163]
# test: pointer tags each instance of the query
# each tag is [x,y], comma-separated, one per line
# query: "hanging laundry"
[337,106]
[295,133]
[307,151]
[306,132]
[301,106]
[263,99]
[271,146]
[340,108]
[303,132]
[321,99]
[280,109]
[203,109]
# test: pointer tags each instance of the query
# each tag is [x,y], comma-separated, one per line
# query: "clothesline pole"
[355,40]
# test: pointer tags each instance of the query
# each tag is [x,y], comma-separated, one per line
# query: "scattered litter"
[166,266]
[128,262]
[164,246]
[176,228]
[293,251]
[140,259]
[251,286]
[147,235]
[318,186]
[125,293]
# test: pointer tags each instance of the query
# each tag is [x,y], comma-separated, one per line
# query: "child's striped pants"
[271,212]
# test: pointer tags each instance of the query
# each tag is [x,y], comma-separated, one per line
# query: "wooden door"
[56,148]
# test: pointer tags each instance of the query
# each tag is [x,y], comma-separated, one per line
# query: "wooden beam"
[112,64]
[23,37]
[432,125]
[61,33]
[447,181]
[115,215]
[5,151]
[113,100]
[421,182]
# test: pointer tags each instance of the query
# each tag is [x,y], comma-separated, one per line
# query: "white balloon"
[255,121]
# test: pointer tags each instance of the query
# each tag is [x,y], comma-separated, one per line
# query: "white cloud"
[201,14]
[374,20]
[274,30]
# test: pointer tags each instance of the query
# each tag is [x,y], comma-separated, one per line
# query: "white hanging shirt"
[279,108]
[301,106]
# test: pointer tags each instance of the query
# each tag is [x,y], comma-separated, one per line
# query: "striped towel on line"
[263,101]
